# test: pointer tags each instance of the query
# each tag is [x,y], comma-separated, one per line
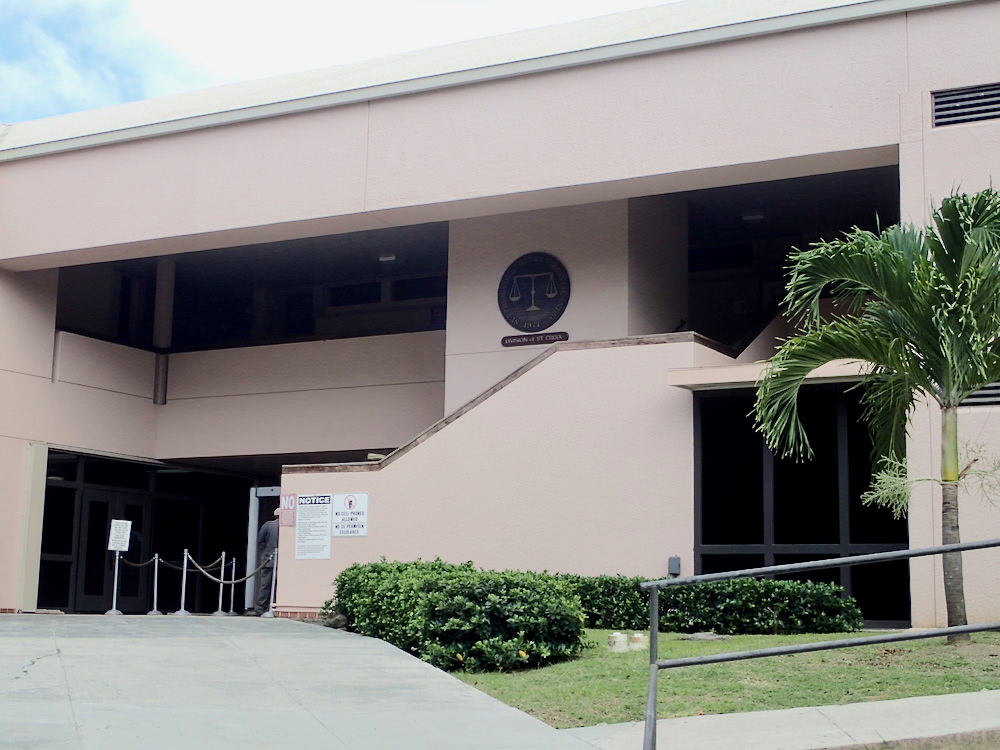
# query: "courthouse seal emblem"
[533,292]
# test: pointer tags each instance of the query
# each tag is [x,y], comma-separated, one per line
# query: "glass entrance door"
[95,570]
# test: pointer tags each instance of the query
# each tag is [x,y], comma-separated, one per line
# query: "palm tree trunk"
[954,587]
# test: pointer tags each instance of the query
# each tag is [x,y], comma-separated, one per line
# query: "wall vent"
[971,104]
[988,396]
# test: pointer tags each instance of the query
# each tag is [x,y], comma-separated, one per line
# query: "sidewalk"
[74,682]
[811,728]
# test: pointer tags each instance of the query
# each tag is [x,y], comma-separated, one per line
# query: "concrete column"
[163,324]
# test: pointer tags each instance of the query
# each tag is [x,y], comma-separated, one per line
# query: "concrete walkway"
[193,683]
[817,728]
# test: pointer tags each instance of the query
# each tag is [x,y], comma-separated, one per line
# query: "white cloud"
[65,55]
[241,39]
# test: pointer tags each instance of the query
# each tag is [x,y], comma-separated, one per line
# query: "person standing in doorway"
[267,544]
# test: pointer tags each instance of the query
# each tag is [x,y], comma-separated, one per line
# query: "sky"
[59,56]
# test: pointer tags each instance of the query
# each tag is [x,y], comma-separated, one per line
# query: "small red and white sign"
[286,510]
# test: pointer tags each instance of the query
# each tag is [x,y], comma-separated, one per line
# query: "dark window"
[122,474]
[300,318]
[756,510]
[425,288]
[54,584]
[354,294]
[58,520]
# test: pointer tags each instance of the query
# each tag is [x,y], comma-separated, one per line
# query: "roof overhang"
[747,375]
[619,36]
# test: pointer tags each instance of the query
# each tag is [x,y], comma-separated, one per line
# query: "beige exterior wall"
[590,241]
[657,264]
[678,120]
[14,508]
[582,464]
[979,432]
[944,53]
[346,394]
[572,162]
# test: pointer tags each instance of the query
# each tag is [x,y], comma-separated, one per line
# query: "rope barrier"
[238,580]
[218,564]
[176,566]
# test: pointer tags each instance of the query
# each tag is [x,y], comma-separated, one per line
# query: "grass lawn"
[604,687]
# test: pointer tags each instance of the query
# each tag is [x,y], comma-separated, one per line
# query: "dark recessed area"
[740,237]
[357,284]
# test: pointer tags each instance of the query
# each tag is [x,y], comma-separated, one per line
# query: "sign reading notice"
[312,527]
[120,533]
[350,514]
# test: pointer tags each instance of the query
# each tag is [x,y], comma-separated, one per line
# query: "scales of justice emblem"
[533,292]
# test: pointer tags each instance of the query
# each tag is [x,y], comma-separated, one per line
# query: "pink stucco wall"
[345,394]
[666,120]
[582,464]
[979,434]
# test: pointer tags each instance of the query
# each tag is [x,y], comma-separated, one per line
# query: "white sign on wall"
[350,514]
[121,531]
[312,527]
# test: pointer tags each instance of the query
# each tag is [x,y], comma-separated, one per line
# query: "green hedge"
[740,606]
[459,617]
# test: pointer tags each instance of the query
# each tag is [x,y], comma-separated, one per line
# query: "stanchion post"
[274,580]
[232,587]
[156,585]
[222,587]
[184,579]
[114,595]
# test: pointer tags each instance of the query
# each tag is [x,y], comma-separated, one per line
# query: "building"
[261,285]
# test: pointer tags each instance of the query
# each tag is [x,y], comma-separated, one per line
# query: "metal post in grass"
[649,735]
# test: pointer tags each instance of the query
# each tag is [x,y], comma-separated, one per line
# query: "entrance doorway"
[172,508]
[95,573]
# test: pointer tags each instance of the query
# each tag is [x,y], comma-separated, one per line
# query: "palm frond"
[776,407]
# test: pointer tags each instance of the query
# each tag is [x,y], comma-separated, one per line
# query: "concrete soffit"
[746,375]
[35,138]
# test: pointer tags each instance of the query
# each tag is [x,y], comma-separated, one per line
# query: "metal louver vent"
[971,104]
[988,396]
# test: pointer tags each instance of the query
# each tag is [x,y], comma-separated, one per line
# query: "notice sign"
[120,533]
[312,527]
[350,514]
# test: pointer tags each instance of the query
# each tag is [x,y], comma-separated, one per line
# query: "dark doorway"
[95,572]
[171,508]
[753,509]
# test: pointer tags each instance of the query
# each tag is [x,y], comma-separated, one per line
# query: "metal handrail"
[656,664]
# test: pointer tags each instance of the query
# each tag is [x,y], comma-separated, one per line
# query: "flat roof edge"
[481,74]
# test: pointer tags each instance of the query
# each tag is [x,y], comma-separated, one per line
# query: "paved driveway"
[88,682]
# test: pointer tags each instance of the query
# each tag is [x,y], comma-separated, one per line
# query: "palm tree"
[921,311]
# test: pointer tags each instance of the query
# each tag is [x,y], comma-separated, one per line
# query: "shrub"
[459,617]
[758,606]
[612,602]
[740,606]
